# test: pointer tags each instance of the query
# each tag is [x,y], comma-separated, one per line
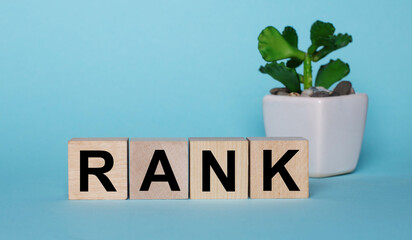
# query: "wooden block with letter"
[218,168]
[279,167]
[98,168]
[159,168]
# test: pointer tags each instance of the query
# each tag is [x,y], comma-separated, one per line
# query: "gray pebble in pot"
[343,88]
[320,94]
[279,91]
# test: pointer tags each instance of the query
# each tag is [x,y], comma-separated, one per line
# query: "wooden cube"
[279,167]
[98,168]
[218,168]
[159,168]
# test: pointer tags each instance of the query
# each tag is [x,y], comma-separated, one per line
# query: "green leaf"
[320,33]
[332,72]
[273,46]
[334,43]
[290,35]
[341,40]
[293,63]
[287,76]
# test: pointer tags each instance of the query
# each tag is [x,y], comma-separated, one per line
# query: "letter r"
[85,171]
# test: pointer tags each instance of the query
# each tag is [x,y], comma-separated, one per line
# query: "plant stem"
[300,55]
[307,72]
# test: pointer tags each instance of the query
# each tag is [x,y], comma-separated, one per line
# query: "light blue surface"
[189,69]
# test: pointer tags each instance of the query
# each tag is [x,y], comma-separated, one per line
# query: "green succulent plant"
[275,46]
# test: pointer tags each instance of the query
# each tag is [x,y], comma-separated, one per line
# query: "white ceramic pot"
[334,127]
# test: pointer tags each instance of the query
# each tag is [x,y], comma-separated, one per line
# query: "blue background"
[189,69]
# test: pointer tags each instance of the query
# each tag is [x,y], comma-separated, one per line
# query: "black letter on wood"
[209,161]
[269,172]
[85,171]
[159,156]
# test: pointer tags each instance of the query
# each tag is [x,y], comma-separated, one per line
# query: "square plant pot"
[334,127]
